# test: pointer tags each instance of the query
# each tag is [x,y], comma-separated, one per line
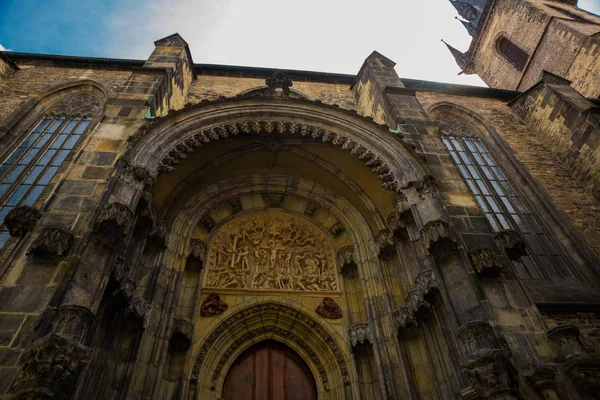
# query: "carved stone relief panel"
[271,251]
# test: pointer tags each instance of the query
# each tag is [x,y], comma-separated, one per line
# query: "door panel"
[269,370]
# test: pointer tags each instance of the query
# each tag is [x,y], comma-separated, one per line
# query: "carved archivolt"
[285,312]
[259,127]
[271,251]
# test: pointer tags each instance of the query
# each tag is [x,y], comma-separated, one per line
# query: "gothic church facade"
[173,230]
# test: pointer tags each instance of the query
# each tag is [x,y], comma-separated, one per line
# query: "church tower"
[514,41]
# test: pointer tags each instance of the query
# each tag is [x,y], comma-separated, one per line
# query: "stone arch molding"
[288,324]
[168,140]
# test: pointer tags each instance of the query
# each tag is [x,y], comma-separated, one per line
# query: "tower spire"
[463,61]
[468,25]
[465,10]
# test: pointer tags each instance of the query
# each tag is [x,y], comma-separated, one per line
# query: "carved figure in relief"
[271,252]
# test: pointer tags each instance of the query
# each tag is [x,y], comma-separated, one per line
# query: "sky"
[315,35]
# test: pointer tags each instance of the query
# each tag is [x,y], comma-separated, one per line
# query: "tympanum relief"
[271,251]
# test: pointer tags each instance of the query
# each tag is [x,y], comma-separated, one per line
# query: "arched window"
[32,164]
[512,53]
[498,199]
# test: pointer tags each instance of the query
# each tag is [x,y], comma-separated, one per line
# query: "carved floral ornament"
[52,242]
[270,251]
[262,127]
[21,220]
[360,333]
[50,368]
[416,299]
[262,309]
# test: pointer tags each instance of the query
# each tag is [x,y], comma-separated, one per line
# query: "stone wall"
[567,193]
[211,87]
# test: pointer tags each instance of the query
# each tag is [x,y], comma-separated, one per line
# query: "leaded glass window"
[498,200]
[30,167]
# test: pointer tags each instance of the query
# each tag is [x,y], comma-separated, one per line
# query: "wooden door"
[269,370]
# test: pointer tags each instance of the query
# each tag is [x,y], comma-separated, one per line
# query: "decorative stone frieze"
[416,299]
[208,223]
[492,375]
[50,368]
[198,250]
[485,262]
[477,336]
[337,229]
[345,256]
[512,243]
[114,221]
[159,234]
[21,220]
[568,339]
[384,242]
[212,306]
[271,251]
[73,322]
[52,242]
[360,333]
[139,309]
[329,309]
[438,239]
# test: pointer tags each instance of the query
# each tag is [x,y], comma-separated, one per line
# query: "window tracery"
[497,198]
[30,167]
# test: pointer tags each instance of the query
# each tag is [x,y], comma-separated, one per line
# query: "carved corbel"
[159,234]
[485,262]
[492,375]
[360,333]
[568,339]
[21,220]
[139,309]
[52,242]
[512,243]
[345,256]
[416,300]
[73,322]
[114,222]
[385,245]
[50,368]
[141,174]
[477,336]
[212,306]
[329,309]
[198,250]
[181,333]
[438,239]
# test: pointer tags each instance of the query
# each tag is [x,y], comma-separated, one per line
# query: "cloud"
[316,35]
[2,48]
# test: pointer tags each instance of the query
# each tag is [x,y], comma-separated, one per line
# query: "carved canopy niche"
[271,251]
